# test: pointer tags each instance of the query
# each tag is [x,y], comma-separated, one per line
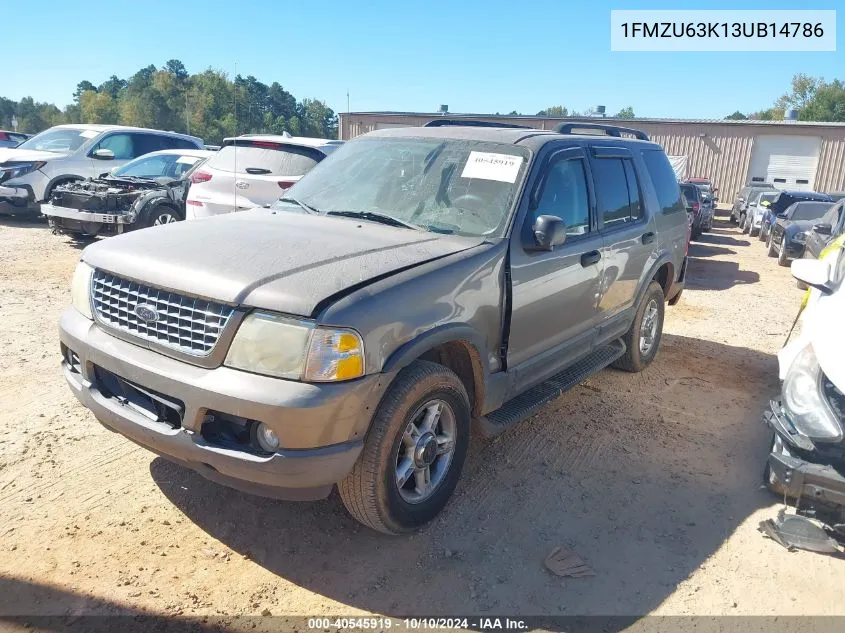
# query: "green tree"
[736,116]
[81,87]
[625,113]
[826,104]
[554,111]
[98,107]
[113,86]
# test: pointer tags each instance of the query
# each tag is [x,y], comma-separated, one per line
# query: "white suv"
[252,170]
[30,171]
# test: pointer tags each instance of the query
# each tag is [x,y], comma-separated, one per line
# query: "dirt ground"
[653,479]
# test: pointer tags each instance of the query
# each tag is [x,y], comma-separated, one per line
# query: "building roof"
[634,121]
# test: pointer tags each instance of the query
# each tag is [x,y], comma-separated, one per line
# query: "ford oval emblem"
[146,313]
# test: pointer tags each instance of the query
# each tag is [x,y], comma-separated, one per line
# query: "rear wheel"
[414,451]
[643,338]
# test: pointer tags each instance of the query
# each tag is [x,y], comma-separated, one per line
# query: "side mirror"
[823,228]
[813,272]
[549,231]
[103,154]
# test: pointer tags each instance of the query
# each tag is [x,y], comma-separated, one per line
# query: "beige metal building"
[789,154]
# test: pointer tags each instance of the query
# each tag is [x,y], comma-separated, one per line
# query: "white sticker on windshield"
[187,160]
[490,166]
[88,133]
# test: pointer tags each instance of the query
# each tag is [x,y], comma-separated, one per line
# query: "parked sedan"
[789,233]
[692,196]
[147,191]
[754,214]
[12,139]
[830,227]
[744,196]
[783,202]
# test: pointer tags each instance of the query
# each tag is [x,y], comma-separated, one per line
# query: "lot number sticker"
[187,160]
[490,166]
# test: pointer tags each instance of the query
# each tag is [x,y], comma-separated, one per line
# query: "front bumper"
[800,478]
[321,427]
[15,199]
[52,211]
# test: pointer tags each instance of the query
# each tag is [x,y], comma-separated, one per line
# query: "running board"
[526,404]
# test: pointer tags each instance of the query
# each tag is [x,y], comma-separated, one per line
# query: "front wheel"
[770,244]
[783,259]
[414,452]
[643,338]
[158,215]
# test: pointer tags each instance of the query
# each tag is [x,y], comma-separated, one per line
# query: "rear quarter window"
[288,160]
[664,180]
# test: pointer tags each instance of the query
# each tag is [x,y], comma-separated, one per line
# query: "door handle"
[588,259]
[648,238]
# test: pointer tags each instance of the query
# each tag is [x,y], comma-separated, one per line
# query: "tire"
[772,251]
[762,234]
[371,492]
[752,232]
[746,225]
[157,215]
[801,285]
[635,359]
[783,260]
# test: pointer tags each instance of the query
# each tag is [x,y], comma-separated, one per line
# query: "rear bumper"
[320,427]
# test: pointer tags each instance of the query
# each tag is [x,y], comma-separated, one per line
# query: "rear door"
[629,236]
[555,293]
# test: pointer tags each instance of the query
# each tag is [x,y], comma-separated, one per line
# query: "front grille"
[185,324]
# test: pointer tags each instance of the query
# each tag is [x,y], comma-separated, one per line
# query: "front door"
[816,242]
[555,293]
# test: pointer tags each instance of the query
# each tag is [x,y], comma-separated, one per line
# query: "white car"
[64,153]
[251,171]
[756,211]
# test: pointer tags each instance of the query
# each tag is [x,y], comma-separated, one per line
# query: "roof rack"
[610,130]
[472,123]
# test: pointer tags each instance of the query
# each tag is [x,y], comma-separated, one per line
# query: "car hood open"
[283,261]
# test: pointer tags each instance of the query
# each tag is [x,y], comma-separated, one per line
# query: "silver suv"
[64,153]
[417,281]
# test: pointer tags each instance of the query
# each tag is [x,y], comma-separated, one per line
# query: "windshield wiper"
[306,207]
[374,216]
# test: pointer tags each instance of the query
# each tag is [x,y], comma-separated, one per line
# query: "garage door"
[788,162]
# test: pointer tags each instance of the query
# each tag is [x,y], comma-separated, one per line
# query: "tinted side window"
[565,195]
[634,191]
[174,142]
[120,144]
[664,180]
[832,216]
[146,143]
[612,198]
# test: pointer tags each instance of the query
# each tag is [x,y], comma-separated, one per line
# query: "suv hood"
[277,260]
[22,155]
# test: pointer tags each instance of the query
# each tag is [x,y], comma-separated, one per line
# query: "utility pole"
[347,101]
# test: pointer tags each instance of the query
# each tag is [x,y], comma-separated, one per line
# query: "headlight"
[283,347]
[80,289]
[805,402]
[15,170]
[800,237]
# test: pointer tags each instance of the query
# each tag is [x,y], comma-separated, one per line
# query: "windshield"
[445,186]
[157,165]
[59,140]
[810,210]
[767,197]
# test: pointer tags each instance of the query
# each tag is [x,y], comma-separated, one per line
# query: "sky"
[475,56]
